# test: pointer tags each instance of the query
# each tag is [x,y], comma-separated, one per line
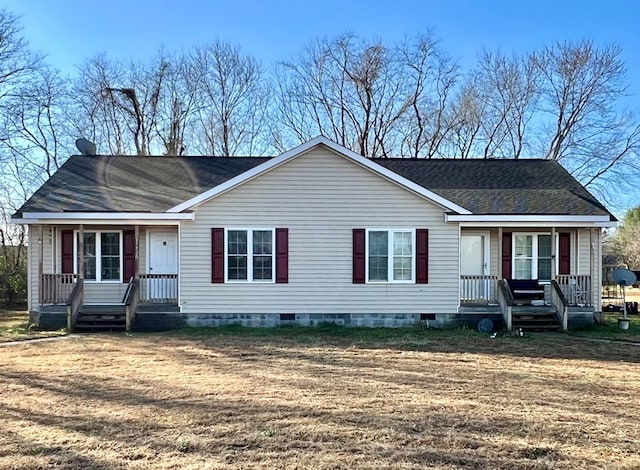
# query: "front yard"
[319,398]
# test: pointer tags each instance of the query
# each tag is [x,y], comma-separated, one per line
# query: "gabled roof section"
[340,150]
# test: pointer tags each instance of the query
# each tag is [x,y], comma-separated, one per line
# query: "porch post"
[136,258]
[81,251]
[40,263]
[500,253]
[554,258]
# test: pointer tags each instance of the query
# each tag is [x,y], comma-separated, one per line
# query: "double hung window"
[250,255]
[532,256]
[390,255]
[102,254]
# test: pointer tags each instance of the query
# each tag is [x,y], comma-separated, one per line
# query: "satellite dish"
[624,277]
[86,147]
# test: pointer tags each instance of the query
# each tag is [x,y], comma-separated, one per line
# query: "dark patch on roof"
[155,184]
[133,184]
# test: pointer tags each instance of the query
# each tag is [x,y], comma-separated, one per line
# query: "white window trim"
[390,232]
[534,254]
[250,255]
[98,278]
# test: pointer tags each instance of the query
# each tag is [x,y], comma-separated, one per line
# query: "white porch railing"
[576,289]
[158,289]
[478,289]
[56,288]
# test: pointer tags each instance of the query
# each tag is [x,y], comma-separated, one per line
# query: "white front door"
[474,263]
[473,254]
[162,261]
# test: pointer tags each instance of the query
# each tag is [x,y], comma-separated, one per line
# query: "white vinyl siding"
[320,197]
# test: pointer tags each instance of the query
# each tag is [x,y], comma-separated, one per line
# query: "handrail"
[576,288]
[556,291]
[505,299]
[506,291]
[74,303]
[130,300]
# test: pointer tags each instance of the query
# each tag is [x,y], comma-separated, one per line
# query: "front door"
[474,264]
[162,282]
[473,259]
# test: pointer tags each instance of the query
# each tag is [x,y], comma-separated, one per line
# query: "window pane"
[262,268]
[544,246]
[378,244]
[524,245]
[378,268]
[402,244]
[110,256]
[262,242]
[237,267]
[402,269]
[544,269]
[522,268]
[89,251]
[237,242]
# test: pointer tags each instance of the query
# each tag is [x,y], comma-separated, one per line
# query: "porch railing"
[76,299]
[478,289]
[561,304]
[576,289]
[158,288]
[130,300]
[505,299]
[56,288]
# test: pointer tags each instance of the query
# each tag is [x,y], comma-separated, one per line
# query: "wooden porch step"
[534,321]
[101,318]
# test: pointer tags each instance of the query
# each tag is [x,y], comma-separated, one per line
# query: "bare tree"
[231,99]
[587,131]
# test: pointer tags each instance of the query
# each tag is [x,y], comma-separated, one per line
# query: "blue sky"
[69,31]
[72,30]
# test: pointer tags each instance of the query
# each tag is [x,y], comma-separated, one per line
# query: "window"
[390,255]
[102,256]
[250,255]
[532,256]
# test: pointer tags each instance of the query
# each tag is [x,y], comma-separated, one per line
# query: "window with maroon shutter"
[359,256]
[422,256]
[282,255]
[565,253]
[217,255]
[129,259]
[67,251]
[506,255]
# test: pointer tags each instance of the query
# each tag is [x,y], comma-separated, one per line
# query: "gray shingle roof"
[497,186]
[133,184]
[155,184]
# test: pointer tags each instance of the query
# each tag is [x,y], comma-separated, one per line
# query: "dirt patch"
[250,401]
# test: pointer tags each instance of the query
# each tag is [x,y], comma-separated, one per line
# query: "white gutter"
[528,220]
[102,217]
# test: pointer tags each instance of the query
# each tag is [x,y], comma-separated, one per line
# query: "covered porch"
[99,276]
[524,275]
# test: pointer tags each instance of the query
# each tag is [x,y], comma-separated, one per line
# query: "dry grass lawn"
[299,398]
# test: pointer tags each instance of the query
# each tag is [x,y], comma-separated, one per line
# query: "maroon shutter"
[422,256]
[67,251]
[565,254]
[282,255]
[217,255]
[129,255]
[358,255]
[506,255]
